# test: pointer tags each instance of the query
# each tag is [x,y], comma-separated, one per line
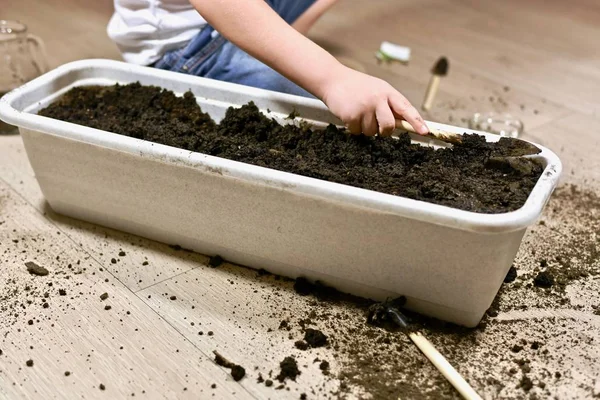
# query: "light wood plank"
[576,140]
[244,312]
[542,50]
[462,93]
[75,333]
[486,39]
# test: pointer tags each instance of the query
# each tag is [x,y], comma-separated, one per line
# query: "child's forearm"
[254,27]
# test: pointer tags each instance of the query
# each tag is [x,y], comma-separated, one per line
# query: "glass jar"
[22,57]
[500,124]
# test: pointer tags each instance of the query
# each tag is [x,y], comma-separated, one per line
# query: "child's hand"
[368,105]
[365,104]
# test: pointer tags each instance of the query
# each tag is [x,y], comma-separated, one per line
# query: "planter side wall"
[273,228]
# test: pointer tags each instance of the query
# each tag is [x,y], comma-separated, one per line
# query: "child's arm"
[364,103]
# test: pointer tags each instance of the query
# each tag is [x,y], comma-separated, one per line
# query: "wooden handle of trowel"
[444,136]
[432,89]
[440,362]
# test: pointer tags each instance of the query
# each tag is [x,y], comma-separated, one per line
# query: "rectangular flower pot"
[449,263]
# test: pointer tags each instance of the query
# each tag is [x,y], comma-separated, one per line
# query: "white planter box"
[447,262]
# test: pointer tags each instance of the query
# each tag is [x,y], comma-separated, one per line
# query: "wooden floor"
[536,59]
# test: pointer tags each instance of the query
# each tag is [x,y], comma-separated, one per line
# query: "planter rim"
[16,107]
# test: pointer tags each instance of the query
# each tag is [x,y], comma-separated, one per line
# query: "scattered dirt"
[104,296]
[322,292]
[511,275]
[35,269]
[524,348]
[215,261]
[516,348]
[544,279]
[237,371]
[462,177]
[324,366]
[289,369]
[303,287]
[571,250]
[523,351]
[526,384]
[380,362]
[301,345]
[29,363]
[315,338]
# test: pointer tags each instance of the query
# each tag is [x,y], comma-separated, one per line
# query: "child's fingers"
[401,107]
[385,119]
[354,127]
[369,124]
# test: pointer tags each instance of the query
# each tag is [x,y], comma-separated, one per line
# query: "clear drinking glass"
[22,57]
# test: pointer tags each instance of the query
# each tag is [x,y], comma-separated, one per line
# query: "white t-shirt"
[145,29]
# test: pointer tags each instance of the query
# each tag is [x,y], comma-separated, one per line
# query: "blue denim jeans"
[210,55]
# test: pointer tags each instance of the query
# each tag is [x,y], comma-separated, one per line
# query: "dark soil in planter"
[460,177]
